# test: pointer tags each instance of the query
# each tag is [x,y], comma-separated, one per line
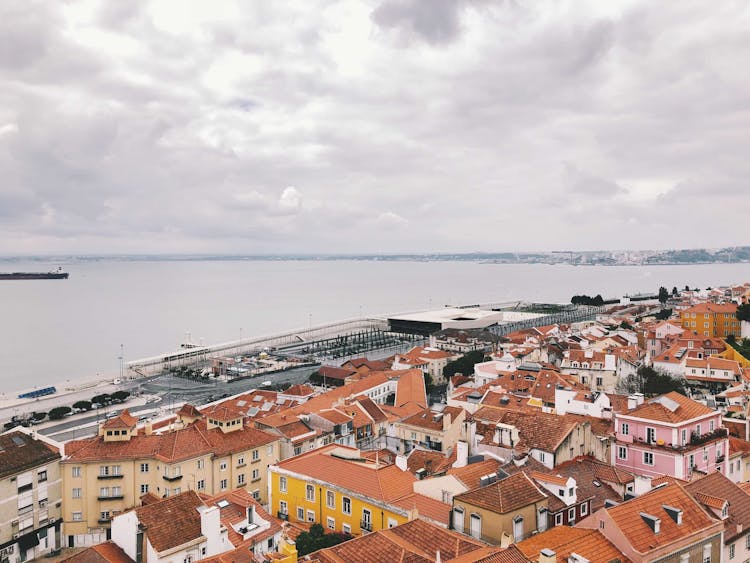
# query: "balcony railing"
[104,521]
[696,439]
[110,476]
[282,515]
[111,497]
[365,526]
[719,458]
[172,478]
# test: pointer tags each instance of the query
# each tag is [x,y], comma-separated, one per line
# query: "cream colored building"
[30,497]
[107,474]
[434,430]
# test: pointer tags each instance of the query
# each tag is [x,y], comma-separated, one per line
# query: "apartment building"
[107,474]
[670,435]
[711,319]
[431,429]
[343,491]
[30,497]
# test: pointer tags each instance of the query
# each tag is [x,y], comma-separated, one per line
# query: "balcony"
[172,478]
[365,526]
[696,440]
[104,521]
[282,516]
[111,497]
[114,476]
[720,458]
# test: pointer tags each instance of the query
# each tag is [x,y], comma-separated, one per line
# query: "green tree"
[82,405]
[120,396]
[58,412]
[463,365]
[428,383]
[663,295]
[316,538]
[102,399]
[743,312]
[664,314]
[37,416]
[674,291]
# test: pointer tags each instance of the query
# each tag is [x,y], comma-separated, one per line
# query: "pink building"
[670,435]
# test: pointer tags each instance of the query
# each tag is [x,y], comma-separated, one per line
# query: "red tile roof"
[505,495]
[565,541]
[173,521]
[107,552]
[658,409]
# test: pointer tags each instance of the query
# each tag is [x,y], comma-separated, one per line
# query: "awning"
[27,541]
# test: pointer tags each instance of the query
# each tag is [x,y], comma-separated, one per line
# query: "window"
[707,553]
[282,484]
[625,428]
[731,551]
[241,479]
[346,505]
[269,449]
[599,381]
[747,542]
[241,460]
[200,464]
[648,458]
[584,509]
[75,471]
[256,494]
[78,516]
[698,429]
[393,523]
[650,434]
[705,454]
[256,474]
[331,523]
[223,466]
[570,492]
[571,515]
[104,515]
[330,499]
[476,526]
[177,491]
[283,507]
[622,452]
[201,484]
[77,492]
[558,519]
[223,484]
[684,437]
[310,493]
[42,476]
[256,455]
[346,528]
[561,492]
[311,516]
[297,450]
[144,467]
[144,488]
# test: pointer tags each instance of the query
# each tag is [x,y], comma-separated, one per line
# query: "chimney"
[462,454]
[547,556]
[505,540]
[148,429]
[401,462]
[638,398]
[251,514]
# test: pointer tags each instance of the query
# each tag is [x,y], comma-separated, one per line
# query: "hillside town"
[623,438]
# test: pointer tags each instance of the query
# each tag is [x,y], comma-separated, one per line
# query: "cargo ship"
[58,275]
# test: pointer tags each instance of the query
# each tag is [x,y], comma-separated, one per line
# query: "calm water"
[51,330]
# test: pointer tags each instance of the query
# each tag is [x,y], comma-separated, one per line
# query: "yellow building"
[711,319]
[340,489]
[107,474]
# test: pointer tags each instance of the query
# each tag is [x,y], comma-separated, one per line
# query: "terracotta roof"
[538,430]
[20,452]
[222,412]
[411,388]
[710,501]
[173,521]
[505,495]
[627,517]
[432,420]
[434,463]
[592,480]
[427,507]
[687,409]
[511,554]
[122,420]
[331,372]
[549,478]
[417,541]
[189,410]
[712,308]
[564,541]
[471,474]
[329,464]
[299,390]
[107,552]
[186,443]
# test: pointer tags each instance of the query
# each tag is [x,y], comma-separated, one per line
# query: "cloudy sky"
[374,126]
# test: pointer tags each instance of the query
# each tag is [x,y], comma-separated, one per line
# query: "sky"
[374,126]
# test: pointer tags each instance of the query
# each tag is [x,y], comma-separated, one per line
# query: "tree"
[58,412]
[102,399]
[597,301]
[82,405]
[463,365]
[687,288]
[316,538]
[663,295]
[731,339]
[38,416]
[674,291]
[664,314]
[743,312]
[428,384]
[119,396]
[650,382]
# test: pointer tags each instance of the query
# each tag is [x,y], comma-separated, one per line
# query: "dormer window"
[725,510]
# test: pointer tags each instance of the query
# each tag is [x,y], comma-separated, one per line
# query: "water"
[52,330]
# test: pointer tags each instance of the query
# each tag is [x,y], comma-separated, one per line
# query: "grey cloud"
[436,22]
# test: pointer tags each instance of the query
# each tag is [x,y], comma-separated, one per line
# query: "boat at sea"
[56,275]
